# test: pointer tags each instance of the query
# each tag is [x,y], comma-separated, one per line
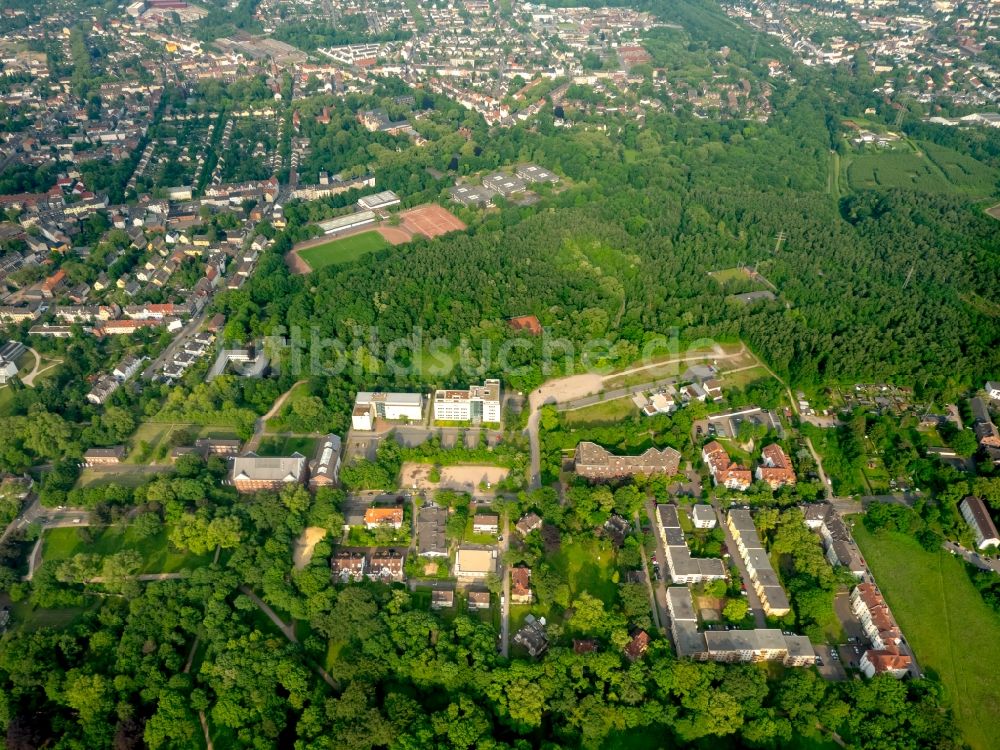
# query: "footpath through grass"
[952,631]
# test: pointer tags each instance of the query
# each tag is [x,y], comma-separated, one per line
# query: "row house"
[876,619]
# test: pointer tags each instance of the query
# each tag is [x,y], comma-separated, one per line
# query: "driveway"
[831,669]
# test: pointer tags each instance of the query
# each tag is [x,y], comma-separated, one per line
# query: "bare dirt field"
[395,235]
[304,545]
[431,220]
[566,389]
[457,478]
[994,212]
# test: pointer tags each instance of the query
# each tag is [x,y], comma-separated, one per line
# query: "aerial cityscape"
[499,374]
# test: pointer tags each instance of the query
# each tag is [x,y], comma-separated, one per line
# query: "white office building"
[394,407]
[480,403]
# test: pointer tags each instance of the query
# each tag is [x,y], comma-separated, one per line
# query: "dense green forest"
[160,664]
[889,285]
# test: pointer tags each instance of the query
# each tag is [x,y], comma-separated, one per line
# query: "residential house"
[104,456]
[977,515]
[993,389]
[520,586]
[348,565]
[442,599]
[889,660]
[637,646]
[528,523]
[381,518]
[531,636]
[485,523]
[479,600]
[703,516]
[431,538]
[103,389]
[386,565]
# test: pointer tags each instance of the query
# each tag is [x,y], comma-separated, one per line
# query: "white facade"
[393,407]
[7,370]
[480,403]
[703,516]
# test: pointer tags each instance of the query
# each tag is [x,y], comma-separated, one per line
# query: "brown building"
[594,462]
[479,600]
[251,473]
[386,565]
[723,470]
[348,565]
[637,646]
[775,467]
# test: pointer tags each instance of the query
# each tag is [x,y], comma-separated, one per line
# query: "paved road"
[35,512]
[505,598]
[734,554]
[192,325]
[657,596]
[973,558]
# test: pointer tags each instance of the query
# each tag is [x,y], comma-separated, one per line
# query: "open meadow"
[951,629]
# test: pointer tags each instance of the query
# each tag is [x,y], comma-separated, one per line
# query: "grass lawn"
[952,631]
[158,433]
[605,411]
[286,445]
[588,565]
[98,478]
[729,274]
[343,250]
[157,555]
[27,617]
[6,400]
[743,378]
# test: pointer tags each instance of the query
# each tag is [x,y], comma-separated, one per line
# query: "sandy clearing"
[457,478]
[566,389]
[304,545]
[395,235]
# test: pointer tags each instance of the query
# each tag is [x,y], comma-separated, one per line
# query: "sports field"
[343,250]
[952,631]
